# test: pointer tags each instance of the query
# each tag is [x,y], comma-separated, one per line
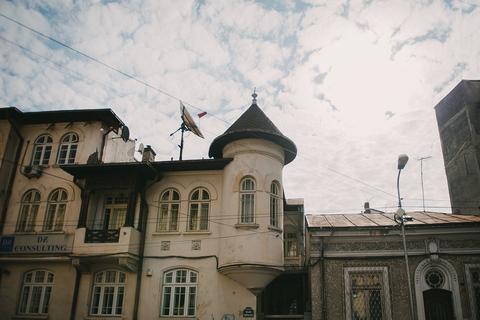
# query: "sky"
[353,83]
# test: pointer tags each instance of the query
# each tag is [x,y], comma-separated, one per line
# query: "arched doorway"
[438,304]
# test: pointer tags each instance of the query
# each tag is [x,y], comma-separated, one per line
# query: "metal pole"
[407,269]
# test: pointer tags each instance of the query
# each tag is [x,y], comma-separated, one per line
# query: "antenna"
[421,159]
[141,148]
[188,124]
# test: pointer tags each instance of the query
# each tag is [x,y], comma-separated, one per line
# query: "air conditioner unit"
[32,171]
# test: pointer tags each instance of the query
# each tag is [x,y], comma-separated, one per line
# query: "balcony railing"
[102,236]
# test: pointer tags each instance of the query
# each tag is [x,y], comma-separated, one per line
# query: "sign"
[37,244]
[248,313]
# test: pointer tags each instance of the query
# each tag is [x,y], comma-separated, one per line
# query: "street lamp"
[401,218]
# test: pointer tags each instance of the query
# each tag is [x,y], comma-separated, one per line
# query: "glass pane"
[166,196]
[122,277]
[50,277]
[181,276]
[206,196]
[175,195]
[168,277]
[179,302]
[28,277]
[174,218]
[60,217]
[98,277]
[110,276]
[163,219]
[46,299]
[204,216]
[358,305]
[35,300]
[107,305]
[39,276]
[192,225]
[193,277]
[167,293]
[191,301]
[24,300]
[119,304]
[96,300]
[195,195]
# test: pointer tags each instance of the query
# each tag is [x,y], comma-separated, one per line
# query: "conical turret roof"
[253,124]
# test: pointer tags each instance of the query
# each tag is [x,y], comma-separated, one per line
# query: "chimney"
[148,154]
[367,207]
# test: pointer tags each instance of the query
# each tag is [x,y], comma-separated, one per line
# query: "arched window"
[36,291]
[179,293]
[199,210]
[108,292]
[68,149]
[168,212]
[42,150]
[57,203]
[247,201]
[28,211]
[274,204]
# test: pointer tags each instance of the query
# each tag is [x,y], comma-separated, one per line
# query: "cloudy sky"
[352,83]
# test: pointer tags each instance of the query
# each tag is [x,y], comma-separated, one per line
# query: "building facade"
[358,268]
[98,235]
[458,118]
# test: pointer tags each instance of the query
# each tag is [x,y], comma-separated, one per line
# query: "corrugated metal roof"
[386,220]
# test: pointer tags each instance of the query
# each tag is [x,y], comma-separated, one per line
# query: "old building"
[147,239]
[358,268]
[458,118]
[40,202]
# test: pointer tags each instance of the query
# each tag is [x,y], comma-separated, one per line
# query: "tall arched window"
[28,211]
[199,210]
[168,212]
[42,150]
[108,292]
[36,291]
[68,148]
[57,203]
[179,293]
[274,204]
[247,201]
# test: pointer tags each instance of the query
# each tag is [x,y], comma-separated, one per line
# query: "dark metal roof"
[147,169]
[106,116]
[253,124]
[373,220]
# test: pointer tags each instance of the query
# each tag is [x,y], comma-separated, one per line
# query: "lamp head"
[402,161]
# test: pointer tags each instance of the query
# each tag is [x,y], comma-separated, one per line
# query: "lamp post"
[401,218]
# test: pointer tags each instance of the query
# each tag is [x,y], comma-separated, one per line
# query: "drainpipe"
[143,229]
[12,174]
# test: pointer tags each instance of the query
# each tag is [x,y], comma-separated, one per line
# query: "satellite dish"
[125,133]
[141,148]
[188,121]
[187,125]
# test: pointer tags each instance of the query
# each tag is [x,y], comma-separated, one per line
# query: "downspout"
[12,174]
[143,229]
[78,277]
[322,265]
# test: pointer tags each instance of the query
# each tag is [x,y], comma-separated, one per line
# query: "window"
[473,286]
[28,211]
[108,292]
[290,245]
[274,204]
[56,210]
[68,149]
[115,211]
[36,291]
[179,293]
[247,201]
[168,214]
[42,150]
[199,208]
[367,293]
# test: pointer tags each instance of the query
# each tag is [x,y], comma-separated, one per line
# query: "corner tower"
[251,230]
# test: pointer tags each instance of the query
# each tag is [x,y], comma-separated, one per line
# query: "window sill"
[165,233]
[276,229]
[246,226]
[30,316]
[195,232]
[103,317]
[52,232]
[25,232]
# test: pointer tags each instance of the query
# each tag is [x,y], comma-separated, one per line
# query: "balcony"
[125,240]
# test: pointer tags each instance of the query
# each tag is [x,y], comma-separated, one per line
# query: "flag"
[202,114]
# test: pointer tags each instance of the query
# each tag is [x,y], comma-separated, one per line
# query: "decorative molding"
[128,264]
[464,243]
[165,246]
[375,246]
[196,245]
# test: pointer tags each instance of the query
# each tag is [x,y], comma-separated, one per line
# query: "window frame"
[114,211]
[275,204]
[27,296]
[56,210]
[247,200]
[168,218]
[384,289]
[97,305]
[68,146]
[199,217]
[43,148]
[27,216]
[172,293]
[290,241]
